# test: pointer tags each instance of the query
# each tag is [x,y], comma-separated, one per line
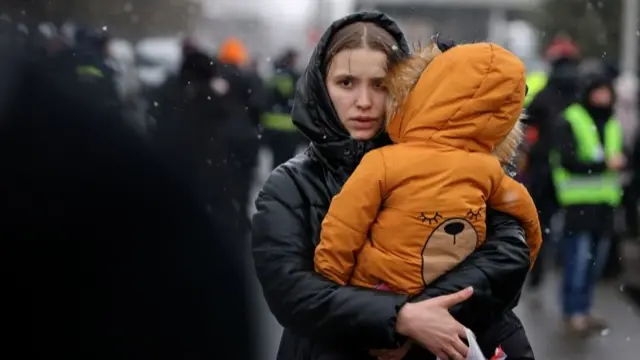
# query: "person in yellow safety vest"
[536,81]
[586,160]
[280,135]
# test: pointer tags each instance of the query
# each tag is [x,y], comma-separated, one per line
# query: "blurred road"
[268,328]
[539,312]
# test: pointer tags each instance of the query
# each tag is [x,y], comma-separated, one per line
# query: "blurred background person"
[108,253]
[560,89]
[626,87]
[244,96]
[588,157]
[281,136]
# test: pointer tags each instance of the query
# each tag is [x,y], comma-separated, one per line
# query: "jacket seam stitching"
[383,190]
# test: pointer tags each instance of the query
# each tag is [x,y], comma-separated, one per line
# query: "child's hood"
[469,97]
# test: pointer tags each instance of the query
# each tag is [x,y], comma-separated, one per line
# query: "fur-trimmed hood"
[469,97]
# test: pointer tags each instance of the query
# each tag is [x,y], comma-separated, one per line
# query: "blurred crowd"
[580,162]
[122,241]
[213,102]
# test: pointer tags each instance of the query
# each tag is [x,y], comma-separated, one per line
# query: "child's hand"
[392,354]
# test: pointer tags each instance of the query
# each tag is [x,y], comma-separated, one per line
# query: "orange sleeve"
[512,198]
[345,228]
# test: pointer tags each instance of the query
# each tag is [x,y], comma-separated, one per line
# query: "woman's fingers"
[441,355]
[462,332]
[454,354]
[455,349]
[459,347]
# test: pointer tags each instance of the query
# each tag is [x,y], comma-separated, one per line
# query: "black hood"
[564,77]
[198,67]
[591,83]
[313,113]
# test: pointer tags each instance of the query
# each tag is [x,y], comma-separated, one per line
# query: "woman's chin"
[364,134]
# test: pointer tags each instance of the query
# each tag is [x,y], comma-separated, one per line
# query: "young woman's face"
[354,82]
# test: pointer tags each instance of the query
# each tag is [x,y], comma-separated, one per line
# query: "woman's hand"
[429,324]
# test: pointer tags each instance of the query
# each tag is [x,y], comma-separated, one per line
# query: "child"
[413,210]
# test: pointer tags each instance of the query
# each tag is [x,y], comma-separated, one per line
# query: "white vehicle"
[123,60]
[157,59]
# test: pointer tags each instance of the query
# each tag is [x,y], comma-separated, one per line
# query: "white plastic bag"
[474,349]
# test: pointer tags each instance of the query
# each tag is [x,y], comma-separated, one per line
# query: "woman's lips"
[364,123]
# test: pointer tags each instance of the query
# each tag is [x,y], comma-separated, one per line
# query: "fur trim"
[403,76]
[508,148]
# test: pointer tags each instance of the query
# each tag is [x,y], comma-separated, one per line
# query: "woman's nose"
[363,101]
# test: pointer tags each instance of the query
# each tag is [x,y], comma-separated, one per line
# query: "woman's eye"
[345,83]
[378,86]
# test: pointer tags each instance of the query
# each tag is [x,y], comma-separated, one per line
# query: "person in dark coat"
[107,254]
[543,111]
[634,164]
[323,320]
[85,64]
[200,122]
[280,134]
[245,99]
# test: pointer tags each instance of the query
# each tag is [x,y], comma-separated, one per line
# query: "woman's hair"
[362,35]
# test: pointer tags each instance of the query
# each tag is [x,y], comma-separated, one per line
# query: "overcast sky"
[266,8]
[278,9]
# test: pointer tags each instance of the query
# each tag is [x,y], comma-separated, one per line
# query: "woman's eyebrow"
[343,75]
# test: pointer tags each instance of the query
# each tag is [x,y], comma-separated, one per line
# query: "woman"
[340,107]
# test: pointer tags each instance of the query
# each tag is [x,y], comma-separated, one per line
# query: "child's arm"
[512,198]
[345,228]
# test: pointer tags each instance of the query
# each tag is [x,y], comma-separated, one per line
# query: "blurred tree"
[594,25]
[132,19]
